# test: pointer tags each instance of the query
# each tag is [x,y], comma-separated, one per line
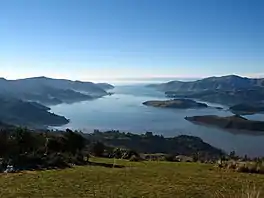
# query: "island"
[175,103]
[230,122]
[247,109]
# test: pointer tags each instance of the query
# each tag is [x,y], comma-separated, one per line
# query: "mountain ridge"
[51,91]
[221,83]
[228,90]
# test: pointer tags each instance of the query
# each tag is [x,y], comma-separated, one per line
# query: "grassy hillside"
[137,179]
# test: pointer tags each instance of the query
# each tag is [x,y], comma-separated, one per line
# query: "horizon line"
[134,78]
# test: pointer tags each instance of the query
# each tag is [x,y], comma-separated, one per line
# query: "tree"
[55,144]
[74,141]
[98,149]
[24,140]
[149,134]
[4,143]
[232,155]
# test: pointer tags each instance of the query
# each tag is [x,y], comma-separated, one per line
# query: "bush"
[242,168]
[98,149]
[28,161]
[127,154]
[135,158]
[252,168]
[232,166]
[56,161]
[170,158]
[260,169]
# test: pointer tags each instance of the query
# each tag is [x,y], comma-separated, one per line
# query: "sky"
[114,39]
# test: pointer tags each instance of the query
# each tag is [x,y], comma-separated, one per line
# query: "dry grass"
[244,167]
[249,192]
[138,179]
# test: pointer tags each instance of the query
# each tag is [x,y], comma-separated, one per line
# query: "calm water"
[124,111]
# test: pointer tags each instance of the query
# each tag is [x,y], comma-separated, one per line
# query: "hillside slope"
[18,112]
[51,91]
[227,90]
[138,179]
[223,83]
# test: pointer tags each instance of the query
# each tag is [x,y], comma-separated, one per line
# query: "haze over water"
[124,111]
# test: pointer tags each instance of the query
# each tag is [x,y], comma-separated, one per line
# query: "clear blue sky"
[104,39]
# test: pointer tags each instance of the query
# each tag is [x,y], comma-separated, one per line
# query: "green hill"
[137,179]
[44,163]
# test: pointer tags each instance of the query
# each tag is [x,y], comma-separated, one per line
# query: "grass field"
[138,179]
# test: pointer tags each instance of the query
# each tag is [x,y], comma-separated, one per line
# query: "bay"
[124,111]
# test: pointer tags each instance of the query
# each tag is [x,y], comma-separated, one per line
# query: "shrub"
[242,168]
[232,166]
[252,168]
[135,158]
[260,169]
[127,154]
[56,161]
[98,149]
[170,158]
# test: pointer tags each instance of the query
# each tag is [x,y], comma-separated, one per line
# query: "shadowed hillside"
[52,91]
[228,90]
[18,112]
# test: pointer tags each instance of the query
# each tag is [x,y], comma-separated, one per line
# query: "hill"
[228,90]
[175,103]
[25,148]
[32,114]
[230,122]
[51,91]
[105,86]
[150,143]
[58,164]
[247,109]
[137,179]
[224,83]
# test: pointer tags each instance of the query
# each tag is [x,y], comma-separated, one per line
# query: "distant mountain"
[32,114]
[5,126]
[229,90]
[105,86]
[53,96]
[224,83]
[51,91]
